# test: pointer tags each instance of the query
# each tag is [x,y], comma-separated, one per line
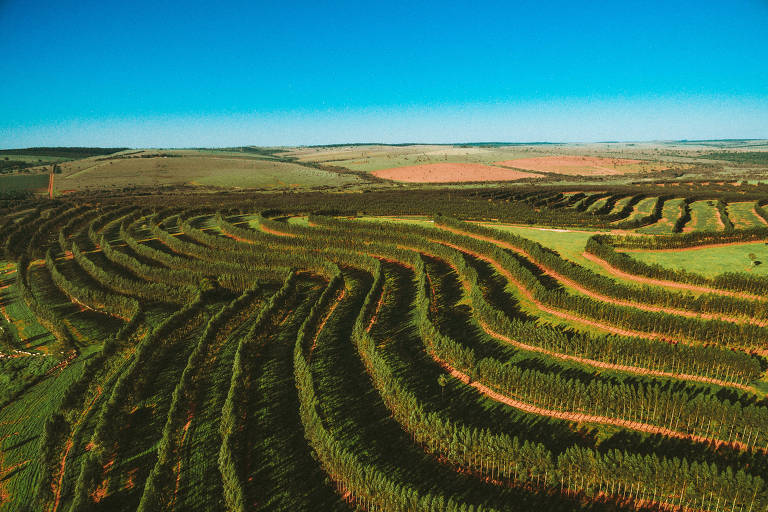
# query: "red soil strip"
[322,323]
[605,298]
[190,417]
[579,417]
[376,311]
[695,247]
[67,447]
[452,173]
[274,232]
[671,284]
[610,366]
[719,220]
[573,165]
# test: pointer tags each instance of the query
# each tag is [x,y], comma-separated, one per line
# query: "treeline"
[745,310]
[46,315]
[130,386]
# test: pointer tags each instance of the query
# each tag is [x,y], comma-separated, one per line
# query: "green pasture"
[643,208]
[620,204]
[20,182]
[672,210]
[711,261]
[704,217]
[743,216]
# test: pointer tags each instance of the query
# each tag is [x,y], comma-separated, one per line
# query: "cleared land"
[451,173]
[582,165]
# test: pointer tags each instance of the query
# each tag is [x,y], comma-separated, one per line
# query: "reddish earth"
[576,165]
[322,323]
[610,366]
[447,172]
[669,284]
[274,232]
[376,311]
[578,417]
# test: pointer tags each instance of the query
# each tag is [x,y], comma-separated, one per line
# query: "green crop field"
[267,329]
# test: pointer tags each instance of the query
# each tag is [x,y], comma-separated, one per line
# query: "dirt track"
[610,366]
[578,417]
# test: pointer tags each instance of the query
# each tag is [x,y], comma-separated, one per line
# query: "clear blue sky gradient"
[162,73]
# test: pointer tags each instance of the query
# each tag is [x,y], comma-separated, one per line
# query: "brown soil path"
[611,366]
[579,417]
[605,298]
[669,284]
[719,220]
[339,297]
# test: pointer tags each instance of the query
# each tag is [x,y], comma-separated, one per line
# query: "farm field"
[512,347]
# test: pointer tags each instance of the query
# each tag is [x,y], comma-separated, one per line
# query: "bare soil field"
[582,165]
[451,172]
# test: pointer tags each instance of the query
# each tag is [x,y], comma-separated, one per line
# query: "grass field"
[704,217]
[744,216]
[712,260]
[672,210]
[641,209]
[214,170]
[22,182]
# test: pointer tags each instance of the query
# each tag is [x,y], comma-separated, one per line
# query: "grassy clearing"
[642,209]
[712,261]
[620,204]
[743,215]
[673,209]
[704,217]
[21,182]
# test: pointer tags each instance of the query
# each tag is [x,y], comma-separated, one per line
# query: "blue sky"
[195,73]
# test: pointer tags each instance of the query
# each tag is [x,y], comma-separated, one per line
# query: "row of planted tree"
[491,454]
[243,257]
